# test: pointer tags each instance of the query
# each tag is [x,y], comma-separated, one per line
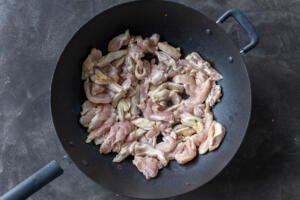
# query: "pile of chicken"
[141,90]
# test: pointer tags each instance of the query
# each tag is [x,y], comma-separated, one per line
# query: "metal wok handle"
[34,182]
[245,23]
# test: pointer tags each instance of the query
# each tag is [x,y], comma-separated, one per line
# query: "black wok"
[183,27]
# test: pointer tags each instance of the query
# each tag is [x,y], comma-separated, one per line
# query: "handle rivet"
[208,31]
[85,163]
[230,59]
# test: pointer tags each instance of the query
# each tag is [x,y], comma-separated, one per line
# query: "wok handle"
[34,182]
[246,24]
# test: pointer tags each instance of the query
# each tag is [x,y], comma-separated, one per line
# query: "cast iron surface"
[32,37]
[183,27]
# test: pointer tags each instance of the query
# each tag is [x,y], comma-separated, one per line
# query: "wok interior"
[182,27]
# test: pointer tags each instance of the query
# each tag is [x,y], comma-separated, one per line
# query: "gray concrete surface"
[33,33]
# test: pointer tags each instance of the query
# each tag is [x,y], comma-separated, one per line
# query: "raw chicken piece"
[119,62]
[200,77]
[117,42]
[99,140]
[151,137]
[99,98]
[86,107]
[144,87]
[117,134]
[97,89]
[196,61]
[107,59]
[199,110]
[142,69]
[89,113]
[90,62]
[181,129]
[167,145]
[186,106]
[103,129]
[157,75]
[100,117]
[135,135]
[113,73]
[169,49]
[126,150]
[187,153]
[218,133]
[148,45]
[201,93]
[188,82]
[214,138]
[144,123]
[135,101]
[214,95]
[166,116]
[135,52]
[148,150]
[123,107]
[149,166]
[179,148]
[165,59]
[101,78]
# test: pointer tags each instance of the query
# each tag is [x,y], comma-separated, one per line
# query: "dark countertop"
[33,33]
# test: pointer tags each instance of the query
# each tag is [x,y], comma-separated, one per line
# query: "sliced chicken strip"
[148,150]
[165,59]
[135,135]
[86,107]
[135,101]
[101,116]
[148,45]
[214,95]
[89,63]
[119,62]
[144,87]
[107,59]
[144,123]
[149,166]
[122,108]
[117,42]
[199,63]
[113,73]
[188,82]
[88,116]
[169,49]
[157,76]
[103,129]
[167,145]
[201,93]
[100,78]
[99,98]
[142,69]
[97,89]
[188,152]
[126,150]
[151,137]
[117,134]
[218,133]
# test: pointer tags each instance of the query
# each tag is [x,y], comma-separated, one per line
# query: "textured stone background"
[33,33]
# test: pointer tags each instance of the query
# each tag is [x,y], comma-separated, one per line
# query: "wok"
[183,27]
